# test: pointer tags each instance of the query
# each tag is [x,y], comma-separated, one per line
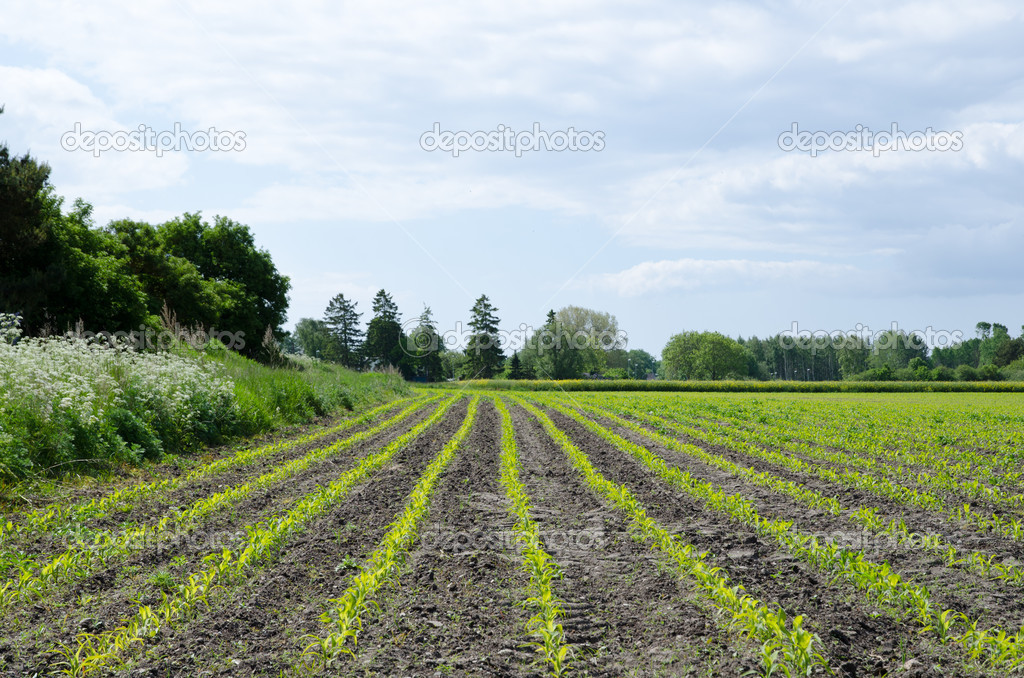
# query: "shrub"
[966,373]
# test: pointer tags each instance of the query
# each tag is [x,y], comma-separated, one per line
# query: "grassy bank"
[68,406]
[741,386]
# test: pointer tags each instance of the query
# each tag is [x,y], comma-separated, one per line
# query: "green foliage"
[26,245]
[342,323]
[314,339]
[383,345]
[1008,351]
[424,349]
[59,270]
[703,355]
[252,295]
[483,352]
[966,373]
[271,397]
[592,334]
[574,341]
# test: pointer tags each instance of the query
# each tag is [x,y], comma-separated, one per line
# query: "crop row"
[36,576]
[941,442]
[95,652]
[383,565]
[972,473]
[1009,526]
[866,517]
[545,623]
[784,644]
[996,648]
[942,432]
[50,517]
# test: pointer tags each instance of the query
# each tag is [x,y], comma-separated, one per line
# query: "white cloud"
[46,103]
[693,274]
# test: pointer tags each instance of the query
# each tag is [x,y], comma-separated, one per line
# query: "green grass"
[269,397]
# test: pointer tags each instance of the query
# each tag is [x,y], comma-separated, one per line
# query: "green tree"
[26,242]
[896,349]
[721,357]
[550,351]
[425,346]
[453,364]
[591,333]
[991,345]
[383,345]
[515,367]
[484,351]
[703,355]
[854,354]
[679,357]
[1008,352]
[55,269]
[169,280]
[313,337]
[640,363]
[88,279]
[252,294]
[342,321]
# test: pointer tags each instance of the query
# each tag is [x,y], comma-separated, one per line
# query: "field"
[495,533]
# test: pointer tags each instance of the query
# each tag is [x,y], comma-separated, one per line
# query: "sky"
[691,191]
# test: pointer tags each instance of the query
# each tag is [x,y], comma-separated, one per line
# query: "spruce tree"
[515,367]
[342,320]
[425,346]
[384,333]
[484,350]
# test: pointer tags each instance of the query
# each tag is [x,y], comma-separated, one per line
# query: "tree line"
[573,342]
[892,355]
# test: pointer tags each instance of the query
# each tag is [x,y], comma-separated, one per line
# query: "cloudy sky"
[690,215]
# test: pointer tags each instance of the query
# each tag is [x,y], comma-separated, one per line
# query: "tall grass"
[268,397]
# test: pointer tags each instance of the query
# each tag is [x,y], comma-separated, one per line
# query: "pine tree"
[383,345]
[425,346]
[515,367]
[484,349]
[342,321]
